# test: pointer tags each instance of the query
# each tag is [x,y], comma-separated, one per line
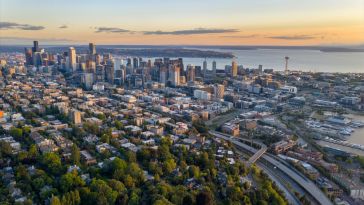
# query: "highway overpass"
[303,181]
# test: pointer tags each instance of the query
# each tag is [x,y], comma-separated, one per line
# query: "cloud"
[63,26]
[11,25]
[242,36]
[190,31]
[111,30]
[10,38]
[294,37]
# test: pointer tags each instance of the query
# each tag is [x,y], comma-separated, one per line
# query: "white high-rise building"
[72,59]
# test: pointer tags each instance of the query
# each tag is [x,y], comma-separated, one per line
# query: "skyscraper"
[174,75]
[35,47]
[72,59]
[191,73]
[214,68]
[92,49]
[28,56]
[135,63]
[204,68]
[109,73]
[163,75]
[234,68]
[87,80]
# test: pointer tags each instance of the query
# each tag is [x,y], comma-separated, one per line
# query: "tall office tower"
[91,49]
[87,80]
[128,62]
[109,74]
[219,91]
[198,71]
[82,67]
[72,59]
[149,64]
[214,68]
[120,76]
[97,59]
[174,75]
[35,47]
[135,63]
[100,73]
[106,57]
[191,73]
[37,59]
[204,68]
[234,68]
[117,63]
[260,68]
[163,75]
[181,66]
[28,56]
[90,66]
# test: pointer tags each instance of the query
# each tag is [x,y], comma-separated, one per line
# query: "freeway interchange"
[307,185]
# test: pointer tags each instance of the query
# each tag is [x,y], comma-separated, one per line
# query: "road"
[304,182]
[292,199]
[257,153]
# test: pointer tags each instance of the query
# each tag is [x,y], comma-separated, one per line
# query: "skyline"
[281,22]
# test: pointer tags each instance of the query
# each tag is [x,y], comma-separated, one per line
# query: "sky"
[182,22]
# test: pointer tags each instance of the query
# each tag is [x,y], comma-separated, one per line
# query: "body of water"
[304,60]
[358,136]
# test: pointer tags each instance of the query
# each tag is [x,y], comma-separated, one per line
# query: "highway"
[304,182]
[279,180]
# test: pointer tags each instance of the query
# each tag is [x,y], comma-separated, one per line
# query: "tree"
[194,171]
[129,181]
[101,116]
[105,138]
[103,192]
[52,162]
[55,201]
[204,198]
[33,151]
[118,124]
[117,185]
[187,200]
[71,198]
[134,198]
[169,165]
[75,154]
[16,132]
[5,149]
[162,201]
[70,181]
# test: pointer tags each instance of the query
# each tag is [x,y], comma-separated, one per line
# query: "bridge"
[257,153]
